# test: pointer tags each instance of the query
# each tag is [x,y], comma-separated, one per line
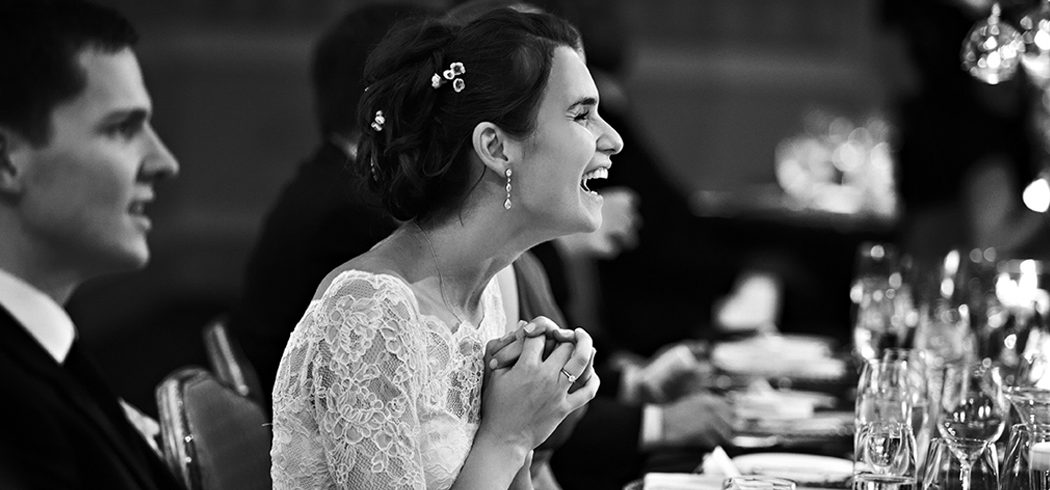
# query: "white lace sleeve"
[345,400]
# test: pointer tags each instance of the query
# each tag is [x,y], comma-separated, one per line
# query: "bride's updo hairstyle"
[430,83]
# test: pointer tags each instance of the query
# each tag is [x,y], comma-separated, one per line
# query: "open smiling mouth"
[597,174]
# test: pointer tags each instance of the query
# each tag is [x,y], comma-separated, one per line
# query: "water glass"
[918,389]
[757,482]
[885,449]
[1018,470]
[942,470]
[884,440]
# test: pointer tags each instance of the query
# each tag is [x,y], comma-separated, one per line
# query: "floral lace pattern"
[371,393]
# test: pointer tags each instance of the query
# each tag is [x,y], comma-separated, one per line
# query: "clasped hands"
[535,376]
[505,351]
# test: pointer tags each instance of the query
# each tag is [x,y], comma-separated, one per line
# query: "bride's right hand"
[524,403]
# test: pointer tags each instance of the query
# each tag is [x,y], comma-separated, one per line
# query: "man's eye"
[126,129]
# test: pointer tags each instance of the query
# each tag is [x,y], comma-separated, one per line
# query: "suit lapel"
[21,346]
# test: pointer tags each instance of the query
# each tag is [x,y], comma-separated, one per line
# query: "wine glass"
[876,293]
[944,317]
[972,412]
[942,469]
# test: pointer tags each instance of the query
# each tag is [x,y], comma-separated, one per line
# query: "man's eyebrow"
[136,114]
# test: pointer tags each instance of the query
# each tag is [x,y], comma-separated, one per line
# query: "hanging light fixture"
[992,49]
[1035,28]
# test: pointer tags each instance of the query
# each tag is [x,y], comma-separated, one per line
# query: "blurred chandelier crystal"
[1036,28]
[992,50]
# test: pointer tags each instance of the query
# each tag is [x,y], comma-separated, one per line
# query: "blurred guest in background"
[324,216]
[78,164]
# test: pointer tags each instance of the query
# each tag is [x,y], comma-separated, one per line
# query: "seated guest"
[78,164]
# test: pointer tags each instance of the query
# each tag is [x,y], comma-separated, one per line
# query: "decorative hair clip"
[378,121]
[454,70]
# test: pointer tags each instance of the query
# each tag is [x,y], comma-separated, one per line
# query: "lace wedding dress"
[372,394]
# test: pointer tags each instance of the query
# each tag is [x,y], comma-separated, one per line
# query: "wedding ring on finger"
[571,378]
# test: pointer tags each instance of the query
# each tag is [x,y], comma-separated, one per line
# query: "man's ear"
[11,145]
[495,148]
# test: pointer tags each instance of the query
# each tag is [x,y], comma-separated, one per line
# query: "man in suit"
[78,163]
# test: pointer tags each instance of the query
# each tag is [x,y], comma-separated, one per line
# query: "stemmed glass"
[885,441]
[879,296]
[944,317]
[972,412]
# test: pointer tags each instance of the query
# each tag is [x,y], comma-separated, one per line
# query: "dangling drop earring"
[507,204]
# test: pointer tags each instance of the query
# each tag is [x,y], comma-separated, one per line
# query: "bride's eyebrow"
[584,101]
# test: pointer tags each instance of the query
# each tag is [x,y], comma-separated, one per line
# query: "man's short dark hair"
[40,41]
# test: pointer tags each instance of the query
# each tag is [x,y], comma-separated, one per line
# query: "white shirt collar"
[45,319]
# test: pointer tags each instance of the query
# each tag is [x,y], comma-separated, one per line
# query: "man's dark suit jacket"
[62,426]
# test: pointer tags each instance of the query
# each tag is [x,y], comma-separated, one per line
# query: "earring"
[506,204]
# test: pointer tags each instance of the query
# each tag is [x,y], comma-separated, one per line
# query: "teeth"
[598,173]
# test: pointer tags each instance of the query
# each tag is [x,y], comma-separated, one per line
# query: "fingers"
[541,325]
[585,394]
[506,356]
[587,372]
[531,351]
[493,346]
[505,351]
[581,355]
[561,355]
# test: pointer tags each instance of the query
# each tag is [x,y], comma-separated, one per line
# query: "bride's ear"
[495,148]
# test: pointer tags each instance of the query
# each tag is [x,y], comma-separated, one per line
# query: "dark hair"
[419,162]
[39,44]
[338,63]
[465,11]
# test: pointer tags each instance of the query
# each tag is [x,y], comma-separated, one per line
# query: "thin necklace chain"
[441,277]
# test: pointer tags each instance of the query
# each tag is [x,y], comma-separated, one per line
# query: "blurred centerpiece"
[839,166]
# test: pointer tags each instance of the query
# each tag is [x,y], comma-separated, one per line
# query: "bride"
[482,140]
